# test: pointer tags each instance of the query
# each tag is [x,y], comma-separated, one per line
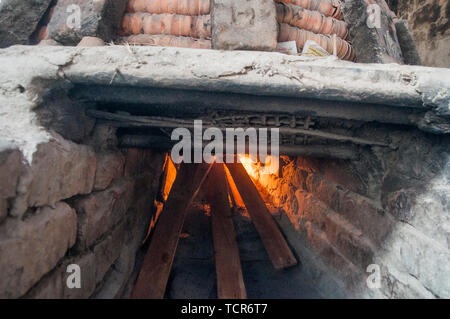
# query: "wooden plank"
[155,271]
[170,173]
[271,236]
[236,198]
[230,282]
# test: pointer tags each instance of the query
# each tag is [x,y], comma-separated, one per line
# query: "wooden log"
[318,151]
[271,236]
[233,192]
[121,120]
[184,102]
[152,280]
[348,152]
[230,282]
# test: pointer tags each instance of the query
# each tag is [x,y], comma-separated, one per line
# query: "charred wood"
[319,151]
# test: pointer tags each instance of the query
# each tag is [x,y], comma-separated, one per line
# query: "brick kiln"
[86,177]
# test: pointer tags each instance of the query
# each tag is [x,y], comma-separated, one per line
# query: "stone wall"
[85,203]
[19,20]
[389,208]
[430,25]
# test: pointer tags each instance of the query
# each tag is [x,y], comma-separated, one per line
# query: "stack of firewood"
[318,20]
[178,23]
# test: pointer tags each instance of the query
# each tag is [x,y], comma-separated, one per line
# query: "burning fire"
[253,168]
[250,166]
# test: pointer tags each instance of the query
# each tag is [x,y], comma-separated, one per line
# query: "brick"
[101,211]
[109,166]
[244,25]
[65,116]
[116,279]
[31,248]
[60,169]
[108,251]
[351,275]
[421,257]
[345,237]
[54,285]
[11,167]
[362,212]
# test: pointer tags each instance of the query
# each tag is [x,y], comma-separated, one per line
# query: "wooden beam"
[152,280]
[185,102]
[271,236]
[133,121]
[339,150]
[230,282]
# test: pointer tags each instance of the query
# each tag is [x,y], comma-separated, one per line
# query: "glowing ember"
[255,168]
[250,166]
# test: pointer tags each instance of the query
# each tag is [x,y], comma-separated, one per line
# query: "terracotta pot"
[136,23]
[315,21]
[328,26]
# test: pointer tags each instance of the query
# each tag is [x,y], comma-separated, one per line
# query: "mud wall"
[430,25]
[388,209]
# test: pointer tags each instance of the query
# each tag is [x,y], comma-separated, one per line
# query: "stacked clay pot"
[318,20]
[179,23]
